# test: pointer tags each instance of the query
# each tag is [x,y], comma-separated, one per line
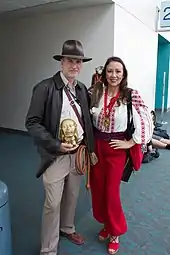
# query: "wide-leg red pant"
[105,188]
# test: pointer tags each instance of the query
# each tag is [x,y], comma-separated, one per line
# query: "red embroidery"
[108,107]
[101,117]
[111,127]
[137,103]
[100,120]
[112,120]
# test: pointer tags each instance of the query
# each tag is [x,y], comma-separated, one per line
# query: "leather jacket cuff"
[58,144]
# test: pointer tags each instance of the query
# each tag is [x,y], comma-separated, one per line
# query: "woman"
[109,112]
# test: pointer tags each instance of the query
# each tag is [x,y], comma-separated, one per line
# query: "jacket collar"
[59,83]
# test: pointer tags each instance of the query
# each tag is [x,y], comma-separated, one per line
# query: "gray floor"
[146,202]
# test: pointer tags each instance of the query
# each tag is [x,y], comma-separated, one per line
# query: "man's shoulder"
[43,84]
[81,85]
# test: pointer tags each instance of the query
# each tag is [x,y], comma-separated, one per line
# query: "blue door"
[162,77]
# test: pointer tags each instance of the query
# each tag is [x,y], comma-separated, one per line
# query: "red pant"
[105,188]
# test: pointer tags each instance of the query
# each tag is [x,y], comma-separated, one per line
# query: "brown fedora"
[72,49]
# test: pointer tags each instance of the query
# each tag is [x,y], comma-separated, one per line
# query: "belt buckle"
[72,102]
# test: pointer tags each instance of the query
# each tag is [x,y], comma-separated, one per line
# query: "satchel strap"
[82,163]
[72,103]
[129,111]
[130,124]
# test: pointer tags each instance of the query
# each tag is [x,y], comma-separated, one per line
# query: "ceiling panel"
[11,5]
[23,8]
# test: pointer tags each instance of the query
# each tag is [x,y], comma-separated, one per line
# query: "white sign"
[165,14]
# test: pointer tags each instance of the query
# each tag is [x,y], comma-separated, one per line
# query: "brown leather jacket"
[43,118]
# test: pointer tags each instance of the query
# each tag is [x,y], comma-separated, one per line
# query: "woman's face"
[114,73]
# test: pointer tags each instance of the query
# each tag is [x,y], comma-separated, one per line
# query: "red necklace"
[108,108]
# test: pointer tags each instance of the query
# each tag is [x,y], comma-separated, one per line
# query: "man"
[54,100]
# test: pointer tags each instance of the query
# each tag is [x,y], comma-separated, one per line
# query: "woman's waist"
[109,136]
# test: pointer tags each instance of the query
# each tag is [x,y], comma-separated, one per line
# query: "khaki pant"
[61,184]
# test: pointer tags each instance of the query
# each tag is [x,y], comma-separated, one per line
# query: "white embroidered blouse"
[118,118]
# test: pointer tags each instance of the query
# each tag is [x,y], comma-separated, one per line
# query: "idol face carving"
[68,132]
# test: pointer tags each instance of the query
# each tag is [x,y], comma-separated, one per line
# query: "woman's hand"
[122,144]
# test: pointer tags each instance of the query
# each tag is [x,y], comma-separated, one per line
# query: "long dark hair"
[98,88]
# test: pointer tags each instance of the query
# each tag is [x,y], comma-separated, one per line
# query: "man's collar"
[59,81]
[66,82]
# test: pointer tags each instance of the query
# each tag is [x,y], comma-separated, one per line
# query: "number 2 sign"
[165,14]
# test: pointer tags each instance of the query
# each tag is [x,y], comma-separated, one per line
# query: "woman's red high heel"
[103,235]
[113,245]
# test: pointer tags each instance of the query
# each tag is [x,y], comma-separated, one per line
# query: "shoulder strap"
[130,125]
[72,104]
[129,110]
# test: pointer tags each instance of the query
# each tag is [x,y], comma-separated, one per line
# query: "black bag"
[128,170]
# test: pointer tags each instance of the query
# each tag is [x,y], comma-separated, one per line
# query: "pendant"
[106,122]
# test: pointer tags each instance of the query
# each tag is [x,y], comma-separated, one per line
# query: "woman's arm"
[142,120]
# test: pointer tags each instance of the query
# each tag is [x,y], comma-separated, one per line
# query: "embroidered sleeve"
[142,120]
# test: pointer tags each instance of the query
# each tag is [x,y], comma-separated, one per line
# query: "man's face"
[71,67]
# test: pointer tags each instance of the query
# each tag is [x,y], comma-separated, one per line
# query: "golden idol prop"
[68,132]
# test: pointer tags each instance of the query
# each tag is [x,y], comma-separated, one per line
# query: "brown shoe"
[74,238]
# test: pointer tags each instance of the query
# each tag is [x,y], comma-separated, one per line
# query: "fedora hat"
[72,49]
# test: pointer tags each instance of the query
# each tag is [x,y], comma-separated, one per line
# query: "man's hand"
[65,147]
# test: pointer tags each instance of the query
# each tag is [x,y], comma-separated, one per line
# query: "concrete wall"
[135,41]
[28,44]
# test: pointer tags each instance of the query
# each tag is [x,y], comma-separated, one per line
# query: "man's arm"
[35,120]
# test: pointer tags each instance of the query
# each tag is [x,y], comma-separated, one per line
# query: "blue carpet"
[145,200]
